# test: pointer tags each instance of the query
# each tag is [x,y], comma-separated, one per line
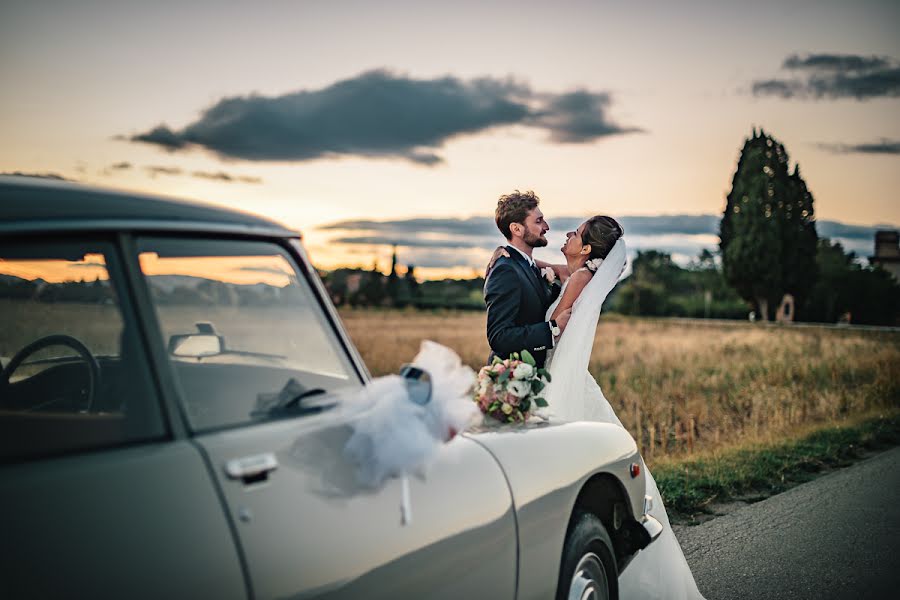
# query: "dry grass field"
[682,387]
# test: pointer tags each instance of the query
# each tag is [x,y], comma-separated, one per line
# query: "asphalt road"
[837,536]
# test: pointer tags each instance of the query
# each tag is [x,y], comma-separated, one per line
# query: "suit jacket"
[517,300]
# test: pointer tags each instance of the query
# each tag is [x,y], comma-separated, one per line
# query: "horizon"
[459,248]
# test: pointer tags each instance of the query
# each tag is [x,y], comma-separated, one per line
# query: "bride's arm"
[577,281]
[562,271]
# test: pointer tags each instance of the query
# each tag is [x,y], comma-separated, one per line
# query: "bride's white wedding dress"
[660,571]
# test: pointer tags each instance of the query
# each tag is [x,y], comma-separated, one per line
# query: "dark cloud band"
[447,242]
[221,176]
[485,226]
[380,114]
[884,146]
[835,62]
[834,76]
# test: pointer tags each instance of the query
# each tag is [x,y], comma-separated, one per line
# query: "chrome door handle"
[253,468]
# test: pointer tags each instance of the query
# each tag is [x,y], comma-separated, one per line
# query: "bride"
[595,258]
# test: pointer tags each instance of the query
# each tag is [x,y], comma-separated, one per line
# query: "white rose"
[523,371]
[518,388]
[593,264]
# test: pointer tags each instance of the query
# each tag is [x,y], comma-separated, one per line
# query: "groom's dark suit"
[516,299]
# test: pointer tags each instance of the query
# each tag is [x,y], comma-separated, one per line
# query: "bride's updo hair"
[602,233]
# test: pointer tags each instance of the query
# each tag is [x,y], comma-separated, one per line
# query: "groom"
[516,295]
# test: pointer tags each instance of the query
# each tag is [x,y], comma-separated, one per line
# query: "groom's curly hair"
[601,233]
[514,208]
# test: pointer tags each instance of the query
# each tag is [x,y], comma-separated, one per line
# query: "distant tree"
[411,283]
[372,292]
[393,282]
[767,233]
[870,295]
[657,286]
[654,280]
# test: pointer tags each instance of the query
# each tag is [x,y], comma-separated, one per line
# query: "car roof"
[31,204]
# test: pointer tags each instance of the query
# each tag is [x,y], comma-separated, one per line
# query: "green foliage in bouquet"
[508,390]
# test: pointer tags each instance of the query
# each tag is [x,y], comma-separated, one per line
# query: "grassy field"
[683,388]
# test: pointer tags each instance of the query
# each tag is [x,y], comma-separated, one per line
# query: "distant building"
[887,252]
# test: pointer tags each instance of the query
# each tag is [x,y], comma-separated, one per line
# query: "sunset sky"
[316,113]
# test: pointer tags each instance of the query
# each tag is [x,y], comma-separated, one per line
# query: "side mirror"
[195,345]
[418,384]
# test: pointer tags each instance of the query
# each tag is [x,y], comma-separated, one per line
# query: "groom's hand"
[563,319]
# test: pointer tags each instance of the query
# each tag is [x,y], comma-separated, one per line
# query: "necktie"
[536,271]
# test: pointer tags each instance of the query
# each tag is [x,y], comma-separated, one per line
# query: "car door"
[100,497]
[306,526]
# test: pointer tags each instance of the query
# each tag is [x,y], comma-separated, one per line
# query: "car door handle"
[251,469]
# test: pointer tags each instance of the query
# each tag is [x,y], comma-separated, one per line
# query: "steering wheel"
[57,340]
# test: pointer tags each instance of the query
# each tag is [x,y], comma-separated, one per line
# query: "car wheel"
[588,569]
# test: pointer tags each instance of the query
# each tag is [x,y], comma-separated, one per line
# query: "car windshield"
[245,334]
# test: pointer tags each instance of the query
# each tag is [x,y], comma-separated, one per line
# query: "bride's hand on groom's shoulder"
[500,251]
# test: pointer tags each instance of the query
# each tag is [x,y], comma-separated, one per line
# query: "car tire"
[588,567]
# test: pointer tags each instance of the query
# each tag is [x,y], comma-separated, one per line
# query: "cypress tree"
[767,233]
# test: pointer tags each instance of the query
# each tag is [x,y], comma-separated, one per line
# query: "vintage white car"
[142,343]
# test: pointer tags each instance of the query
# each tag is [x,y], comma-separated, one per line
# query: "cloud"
[448,242]
[412,242]
[161,136]
[835,62]
[579,117]
[381,114]
[485,226]
[119,166]
[834,76]
[470,226]
[157,170]
[884,146]
[222,176]
[37,175]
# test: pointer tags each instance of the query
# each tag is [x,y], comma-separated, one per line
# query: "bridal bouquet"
[508,390]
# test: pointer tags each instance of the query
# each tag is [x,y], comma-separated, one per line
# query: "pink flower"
[499,368]
[549,274]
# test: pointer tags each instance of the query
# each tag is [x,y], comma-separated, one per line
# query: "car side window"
[73,377]
[246,336]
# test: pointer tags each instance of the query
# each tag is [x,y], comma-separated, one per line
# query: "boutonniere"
[550,275]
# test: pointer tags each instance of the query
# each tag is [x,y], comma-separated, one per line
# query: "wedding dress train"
[660,571]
